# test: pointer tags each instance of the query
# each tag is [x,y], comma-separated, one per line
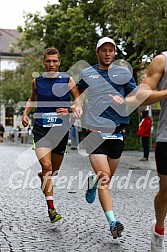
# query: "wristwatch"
[69,110]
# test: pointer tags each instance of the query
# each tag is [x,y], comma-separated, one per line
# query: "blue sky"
[11,11]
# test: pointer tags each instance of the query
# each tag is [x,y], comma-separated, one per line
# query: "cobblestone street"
[24,222]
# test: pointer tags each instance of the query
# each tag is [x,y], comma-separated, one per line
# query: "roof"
[7,37]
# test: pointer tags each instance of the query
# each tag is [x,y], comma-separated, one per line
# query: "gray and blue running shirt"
[102,111]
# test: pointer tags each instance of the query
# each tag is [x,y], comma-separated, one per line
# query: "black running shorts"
[111,147]
[52,138]
[161,157]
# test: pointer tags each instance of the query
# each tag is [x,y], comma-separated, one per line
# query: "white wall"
[8,63]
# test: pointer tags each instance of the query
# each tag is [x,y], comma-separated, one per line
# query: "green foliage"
[132,142]
[68,26]
[140,27]
[74,26]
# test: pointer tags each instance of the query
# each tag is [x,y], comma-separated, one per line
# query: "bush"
[132,142]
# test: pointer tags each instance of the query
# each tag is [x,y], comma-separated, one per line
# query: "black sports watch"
[69,110]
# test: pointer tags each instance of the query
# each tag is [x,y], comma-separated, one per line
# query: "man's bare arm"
[78,97]
[29,105]
[154,75]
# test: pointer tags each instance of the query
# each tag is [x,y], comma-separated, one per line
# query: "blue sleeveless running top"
[52,93]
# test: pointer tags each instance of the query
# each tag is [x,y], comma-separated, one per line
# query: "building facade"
[9,57]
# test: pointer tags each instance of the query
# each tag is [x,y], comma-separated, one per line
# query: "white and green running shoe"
[54,216]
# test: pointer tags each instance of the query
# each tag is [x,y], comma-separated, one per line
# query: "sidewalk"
[131,159]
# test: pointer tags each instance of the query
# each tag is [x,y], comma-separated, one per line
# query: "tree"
[71,27]
[139,27]
[74,26]
[140,31]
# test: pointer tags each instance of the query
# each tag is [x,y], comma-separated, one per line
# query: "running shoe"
[91,191]
[157,241]
[143,159]
[116,229]
[40,174]
[54,216]
[40,177]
